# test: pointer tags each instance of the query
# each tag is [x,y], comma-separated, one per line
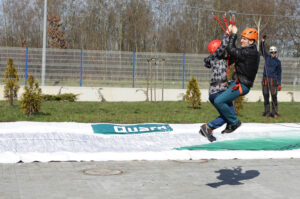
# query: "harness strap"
[232,20]
[225,21]
[220,23]
[266,82]
[238,86]
[272,82]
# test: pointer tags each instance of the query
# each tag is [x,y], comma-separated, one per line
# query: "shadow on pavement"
[233,177]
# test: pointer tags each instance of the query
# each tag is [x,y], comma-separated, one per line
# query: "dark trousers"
[270,86]
[224,100]
[220,120]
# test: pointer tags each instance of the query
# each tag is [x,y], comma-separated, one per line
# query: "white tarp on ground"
[42,141]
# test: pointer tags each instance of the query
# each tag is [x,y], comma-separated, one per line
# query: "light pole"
[44,44]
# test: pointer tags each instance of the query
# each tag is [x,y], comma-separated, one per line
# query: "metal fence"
[124,69]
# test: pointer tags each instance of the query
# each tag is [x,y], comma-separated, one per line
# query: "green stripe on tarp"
[251,144]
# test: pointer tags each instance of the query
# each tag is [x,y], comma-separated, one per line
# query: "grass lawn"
[141,112]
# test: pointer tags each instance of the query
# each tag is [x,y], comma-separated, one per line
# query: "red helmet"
[213,46]
[250,33]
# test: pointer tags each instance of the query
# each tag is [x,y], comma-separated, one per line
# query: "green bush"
[69,97]
[238,104]
[46,97]
[31,100]
[193,95]
[11,80]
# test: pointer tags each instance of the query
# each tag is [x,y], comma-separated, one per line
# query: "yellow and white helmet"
[273,49]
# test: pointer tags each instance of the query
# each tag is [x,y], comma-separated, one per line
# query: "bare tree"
[56,37]
[138,23]
[143,25]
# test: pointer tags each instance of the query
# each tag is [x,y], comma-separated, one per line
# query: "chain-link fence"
[125,69]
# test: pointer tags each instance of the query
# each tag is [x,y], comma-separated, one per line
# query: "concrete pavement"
[263,179]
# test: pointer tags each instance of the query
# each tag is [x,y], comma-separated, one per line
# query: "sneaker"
[265,114]
[275,116]
[230,128]
[226,129]
[207,132]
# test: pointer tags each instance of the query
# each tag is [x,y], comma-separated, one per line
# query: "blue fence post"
[81,53]
[183,70]
[133,68]
[26,74]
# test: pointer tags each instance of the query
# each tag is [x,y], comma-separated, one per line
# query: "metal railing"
[124,69]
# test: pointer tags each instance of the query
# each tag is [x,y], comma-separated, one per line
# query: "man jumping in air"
[217,62]
[246,67]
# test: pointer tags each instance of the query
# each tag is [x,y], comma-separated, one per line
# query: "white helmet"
[273,49]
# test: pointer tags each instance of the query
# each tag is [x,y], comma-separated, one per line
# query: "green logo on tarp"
[251,144]
[130,129]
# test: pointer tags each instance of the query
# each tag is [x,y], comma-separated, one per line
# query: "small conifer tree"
[11,80]
[193,95]
[32,97]
[238,103]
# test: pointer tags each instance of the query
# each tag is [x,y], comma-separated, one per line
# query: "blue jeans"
[226,97]
[219,121]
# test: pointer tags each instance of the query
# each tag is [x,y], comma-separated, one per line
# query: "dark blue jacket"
[273,64]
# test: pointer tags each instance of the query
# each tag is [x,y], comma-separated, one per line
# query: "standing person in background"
[217,62]
[271,82]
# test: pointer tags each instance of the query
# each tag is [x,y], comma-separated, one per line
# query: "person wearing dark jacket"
[271,82]
[246,66]
[217,62]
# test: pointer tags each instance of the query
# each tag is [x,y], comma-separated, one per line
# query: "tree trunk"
[257,23]
[11,96]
